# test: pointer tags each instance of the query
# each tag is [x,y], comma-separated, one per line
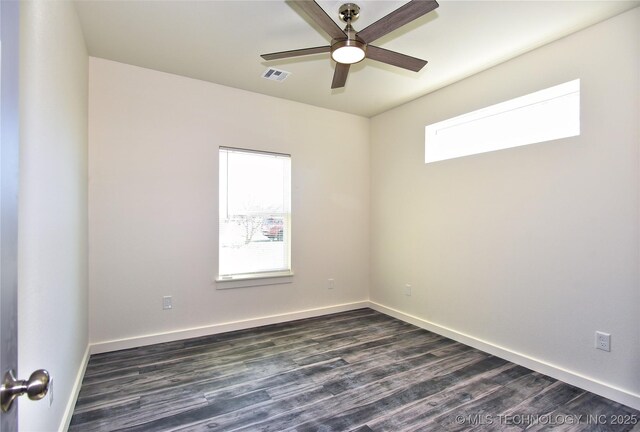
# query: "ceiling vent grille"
[275,74]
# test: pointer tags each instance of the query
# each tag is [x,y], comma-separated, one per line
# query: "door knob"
[36,387]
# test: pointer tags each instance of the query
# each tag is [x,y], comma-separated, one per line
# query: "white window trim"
[253,279]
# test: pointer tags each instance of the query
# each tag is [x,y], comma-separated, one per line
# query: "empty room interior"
[217,232]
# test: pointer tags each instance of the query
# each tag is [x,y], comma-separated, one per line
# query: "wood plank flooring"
[354,371]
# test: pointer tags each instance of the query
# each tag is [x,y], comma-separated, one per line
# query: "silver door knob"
[36,387]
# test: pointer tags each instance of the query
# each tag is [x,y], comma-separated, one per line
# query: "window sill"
[252,280]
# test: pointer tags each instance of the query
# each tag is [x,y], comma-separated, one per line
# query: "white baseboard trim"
[75,391]
[138,341]
[616,394]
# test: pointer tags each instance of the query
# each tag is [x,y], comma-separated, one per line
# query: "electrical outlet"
[603,341]
[331,284]
[407,290]
[167,302]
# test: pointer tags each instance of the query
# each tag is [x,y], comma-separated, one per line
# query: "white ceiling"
[221,42]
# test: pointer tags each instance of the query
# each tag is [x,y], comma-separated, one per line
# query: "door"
[9,158]
[37,385]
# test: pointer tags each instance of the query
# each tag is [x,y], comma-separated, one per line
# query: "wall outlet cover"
[603,341]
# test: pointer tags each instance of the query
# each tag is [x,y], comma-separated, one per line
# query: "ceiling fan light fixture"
[348,51]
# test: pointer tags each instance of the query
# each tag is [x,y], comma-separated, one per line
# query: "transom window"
[546,115]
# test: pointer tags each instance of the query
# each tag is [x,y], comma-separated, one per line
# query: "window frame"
[257,278]
[537,128]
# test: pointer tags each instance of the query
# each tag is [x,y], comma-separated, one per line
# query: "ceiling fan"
[349,47]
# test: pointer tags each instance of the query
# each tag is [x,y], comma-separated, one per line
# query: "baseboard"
[616,394]
[134,342]
[75,391]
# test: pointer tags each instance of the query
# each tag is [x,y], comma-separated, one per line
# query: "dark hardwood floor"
[353,371]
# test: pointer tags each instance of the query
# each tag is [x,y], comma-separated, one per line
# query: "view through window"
[255,213]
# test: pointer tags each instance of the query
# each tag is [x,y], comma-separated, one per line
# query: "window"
[545,115]
[255,214]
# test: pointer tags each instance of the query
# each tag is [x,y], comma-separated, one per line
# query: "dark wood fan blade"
[321,18]
[340,75]
[399,17]
[395,58]
[296,53]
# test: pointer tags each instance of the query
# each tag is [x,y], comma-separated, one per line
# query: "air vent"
[275,74]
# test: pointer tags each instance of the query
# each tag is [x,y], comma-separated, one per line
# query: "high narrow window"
[546,115]
[255,214]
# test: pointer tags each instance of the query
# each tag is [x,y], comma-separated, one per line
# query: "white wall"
[153,187]
[530,249]
[52,235]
